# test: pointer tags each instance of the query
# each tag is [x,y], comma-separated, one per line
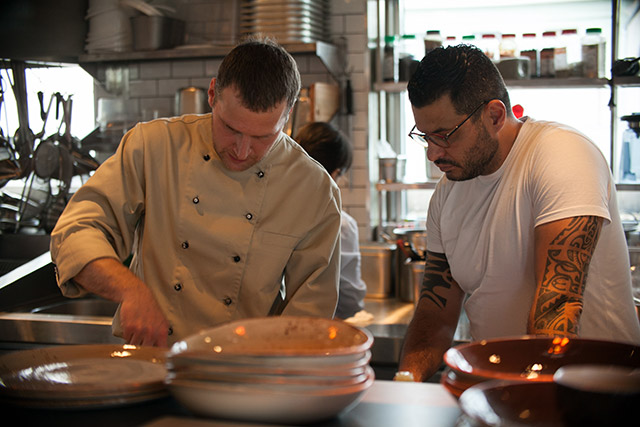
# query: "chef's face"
[242,137]
[472,151]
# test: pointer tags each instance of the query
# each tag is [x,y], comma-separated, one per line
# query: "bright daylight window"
[68,80]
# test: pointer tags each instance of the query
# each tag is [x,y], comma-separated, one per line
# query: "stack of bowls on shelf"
[285,369]
[288,21]
[109,27]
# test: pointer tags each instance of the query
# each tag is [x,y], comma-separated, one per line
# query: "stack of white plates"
[275,369]
[288,21]
[82,376]
[109,27]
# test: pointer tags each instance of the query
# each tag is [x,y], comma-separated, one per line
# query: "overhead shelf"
[327,53]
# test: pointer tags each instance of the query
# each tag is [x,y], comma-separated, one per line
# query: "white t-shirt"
[352,287]
[485,227]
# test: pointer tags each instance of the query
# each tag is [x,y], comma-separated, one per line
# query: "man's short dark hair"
[263,72]
[464,73]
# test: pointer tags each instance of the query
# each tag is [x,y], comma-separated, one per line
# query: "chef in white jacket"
[332,150]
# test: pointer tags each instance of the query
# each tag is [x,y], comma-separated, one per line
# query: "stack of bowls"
[528,358]
[109,27]
[289,21]
[285,369]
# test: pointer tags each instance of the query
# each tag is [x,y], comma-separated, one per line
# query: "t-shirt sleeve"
[569,177]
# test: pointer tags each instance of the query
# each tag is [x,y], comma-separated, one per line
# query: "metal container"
[191,100]
[411,274]
[416,237]
[377,268]
[156,32]
[392,169]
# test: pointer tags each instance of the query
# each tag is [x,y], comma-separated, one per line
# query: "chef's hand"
[141,319]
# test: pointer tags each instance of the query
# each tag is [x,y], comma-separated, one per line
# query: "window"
[68,80]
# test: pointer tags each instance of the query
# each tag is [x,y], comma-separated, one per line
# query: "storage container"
[377,268]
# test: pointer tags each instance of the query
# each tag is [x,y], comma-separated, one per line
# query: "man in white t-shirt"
[523,229]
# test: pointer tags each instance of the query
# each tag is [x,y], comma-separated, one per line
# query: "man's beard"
[476,159]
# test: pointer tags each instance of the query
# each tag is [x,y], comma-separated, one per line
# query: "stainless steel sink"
[33,312]
[80,307]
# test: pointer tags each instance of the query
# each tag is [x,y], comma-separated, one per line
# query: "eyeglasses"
[439,139]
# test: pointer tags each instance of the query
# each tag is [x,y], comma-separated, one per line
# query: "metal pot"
[191,100]
[415,239]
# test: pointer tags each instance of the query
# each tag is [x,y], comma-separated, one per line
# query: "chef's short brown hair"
[262,71]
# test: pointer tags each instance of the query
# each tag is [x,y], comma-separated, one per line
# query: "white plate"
[281,336]
[278,380]
[261,404]
[176,364]
[91,373]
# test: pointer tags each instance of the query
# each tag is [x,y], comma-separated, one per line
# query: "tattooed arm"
[434,322]
[563,252]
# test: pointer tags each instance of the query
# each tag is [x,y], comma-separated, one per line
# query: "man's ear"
[497,114]
[211,91]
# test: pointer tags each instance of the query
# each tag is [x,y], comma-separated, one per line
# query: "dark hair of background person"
[263,72]
[327,145]
[463,72]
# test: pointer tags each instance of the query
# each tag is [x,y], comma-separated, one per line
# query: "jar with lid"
[630,150]
[409,57]
[432,40]
[390,59]
[530,49]
[547,54]
[570,40]
[593,51]
[450,41]
[490,46]
[508,46]
[469,39]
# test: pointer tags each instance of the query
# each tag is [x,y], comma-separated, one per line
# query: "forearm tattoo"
[437,274]
[558,302]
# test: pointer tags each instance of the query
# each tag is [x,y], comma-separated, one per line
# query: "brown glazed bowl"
[597,394]
[528,358]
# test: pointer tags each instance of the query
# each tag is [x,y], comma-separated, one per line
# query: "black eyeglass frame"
[427,138]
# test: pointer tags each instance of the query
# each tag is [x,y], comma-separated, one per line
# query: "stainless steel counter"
[386,403]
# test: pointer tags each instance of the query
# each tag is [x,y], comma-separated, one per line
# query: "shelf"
[627,81]
[555,83]
[327,53]
[627,187]
[400,186]
[430,185]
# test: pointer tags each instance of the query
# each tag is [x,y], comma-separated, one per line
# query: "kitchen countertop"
[386,403]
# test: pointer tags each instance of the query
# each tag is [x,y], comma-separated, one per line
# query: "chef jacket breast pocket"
[276,247]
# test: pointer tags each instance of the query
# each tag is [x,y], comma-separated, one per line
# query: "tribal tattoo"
[437,274]
[558,302]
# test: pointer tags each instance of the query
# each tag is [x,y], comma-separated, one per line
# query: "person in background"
[332,150]
[523,229]
[225,216]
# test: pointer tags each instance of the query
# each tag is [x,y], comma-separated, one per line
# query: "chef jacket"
[213,245]
[352,287]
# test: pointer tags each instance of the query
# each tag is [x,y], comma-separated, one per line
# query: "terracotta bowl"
[528,358]
[597,394]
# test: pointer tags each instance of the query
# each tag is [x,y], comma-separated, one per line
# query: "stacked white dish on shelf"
[292,21]
[283,369]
